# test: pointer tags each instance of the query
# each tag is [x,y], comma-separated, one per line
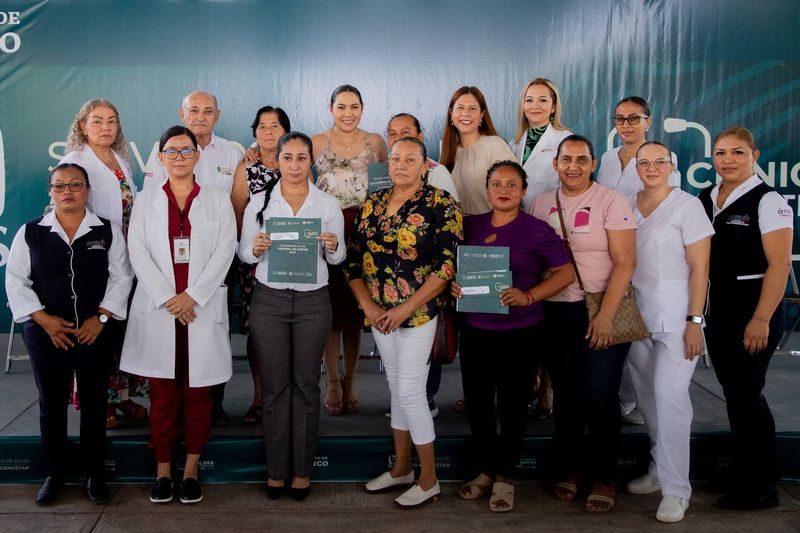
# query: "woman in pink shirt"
[585,364]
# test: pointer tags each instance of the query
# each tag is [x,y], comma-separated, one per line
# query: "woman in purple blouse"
[485,372]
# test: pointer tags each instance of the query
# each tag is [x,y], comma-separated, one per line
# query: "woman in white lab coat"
[673,242]
[182,239]
[96,143]
[539,131]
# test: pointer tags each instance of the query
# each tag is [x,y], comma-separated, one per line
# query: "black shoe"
[96,490]
[540,414]
[190,491]
[219,418]
[48,492]
[749,502]
[161,491]
[299,495]
[273,493]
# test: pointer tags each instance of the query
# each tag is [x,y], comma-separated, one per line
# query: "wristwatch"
[694,319]
[102,317]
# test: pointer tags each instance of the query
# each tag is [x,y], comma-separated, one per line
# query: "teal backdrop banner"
[702,65]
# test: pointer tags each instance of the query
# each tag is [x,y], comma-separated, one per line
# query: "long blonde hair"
[76,140]
[555,120]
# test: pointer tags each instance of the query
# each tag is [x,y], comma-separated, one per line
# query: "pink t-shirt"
[587,217]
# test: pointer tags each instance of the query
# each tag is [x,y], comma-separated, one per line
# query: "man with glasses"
[218,156]
[217,162]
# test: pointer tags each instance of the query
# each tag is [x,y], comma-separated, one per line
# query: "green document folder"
[294,251]
[482,272]
[378,177]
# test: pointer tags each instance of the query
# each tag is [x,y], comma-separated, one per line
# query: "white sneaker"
[386,482]
[671,509]
[646,484]
[416,497]
[634,418]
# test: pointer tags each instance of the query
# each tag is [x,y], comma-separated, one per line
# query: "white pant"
[405,353]
[627,394]
[661,378]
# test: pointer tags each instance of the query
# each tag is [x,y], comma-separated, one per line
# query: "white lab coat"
[149,348]
[542,177]
[105,198]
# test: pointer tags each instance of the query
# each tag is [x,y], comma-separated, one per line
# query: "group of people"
[388,260]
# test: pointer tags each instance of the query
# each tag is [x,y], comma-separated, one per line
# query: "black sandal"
[253,416]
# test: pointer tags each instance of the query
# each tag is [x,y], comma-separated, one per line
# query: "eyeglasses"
[633,120]
[74,186]
[172,153]
[661,163]
[512,186]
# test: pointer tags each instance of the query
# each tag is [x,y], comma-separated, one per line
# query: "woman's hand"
[392,319]
[372,311]
[89,331]
[455,290]
[755,335]
[250,157]
[600,331]
[182,308]
[513,297]
[330,241]
[261,244]
[692,340]
[56,327]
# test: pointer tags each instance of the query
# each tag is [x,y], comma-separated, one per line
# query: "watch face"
[103,318]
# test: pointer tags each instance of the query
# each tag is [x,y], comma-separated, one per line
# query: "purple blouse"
[534,248]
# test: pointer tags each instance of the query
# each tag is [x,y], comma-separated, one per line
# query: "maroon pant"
[169,396]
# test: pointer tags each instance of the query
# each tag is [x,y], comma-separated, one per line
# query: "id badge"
[180,249]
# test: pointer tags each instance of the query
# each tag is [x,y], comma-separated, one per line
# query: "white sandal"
[502,500]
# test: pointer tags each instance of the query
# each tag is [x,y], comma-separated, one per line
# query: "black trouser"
[742,376]
[585,394]
[52,370]
[502,364]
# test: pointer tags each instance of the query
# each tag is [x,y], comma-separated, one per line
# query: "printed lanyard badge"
[180,250]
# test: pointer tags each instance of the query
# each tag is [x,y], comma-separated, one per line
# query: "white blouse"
[317,204]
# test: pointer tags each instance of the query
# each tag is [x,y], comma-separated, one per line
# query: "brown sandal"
[349,395]
[502,500]
[333,398]
[601,494]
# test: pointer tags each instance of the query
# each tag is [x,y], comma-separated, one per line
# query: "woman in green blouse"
[400,258]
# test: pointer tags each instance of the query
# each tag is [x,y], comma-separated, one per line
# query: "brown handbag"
[445,341]
[628,325]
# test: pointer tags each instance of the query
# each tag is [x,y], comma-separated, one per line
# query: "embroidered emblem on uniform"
[99,244]
[223,170]
[739,220]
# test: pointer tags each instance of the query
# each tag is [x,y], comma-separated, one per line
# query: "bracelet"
[529,296]
[760,319]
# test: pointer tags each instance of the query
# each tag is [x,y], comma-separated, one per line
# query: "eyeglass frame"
[181,152]
[73,186]
[659,162]
[619,120]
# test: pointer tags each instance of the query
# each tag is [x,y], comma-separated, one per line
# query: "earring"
[552,116]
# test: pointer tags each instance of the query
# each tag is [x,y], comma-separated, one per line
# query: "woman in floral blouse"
[399,260]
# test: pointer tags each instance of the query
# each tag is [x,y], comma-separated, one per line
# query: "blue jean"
[585,394]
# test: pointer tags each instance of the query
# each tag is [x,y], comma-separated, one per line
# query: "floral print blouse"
[395,254]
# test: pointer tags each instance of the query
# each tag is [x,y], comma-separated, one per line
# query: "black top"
[70,280]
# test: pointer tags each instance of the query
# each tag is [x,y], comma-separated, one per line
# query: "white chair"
[10,356]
